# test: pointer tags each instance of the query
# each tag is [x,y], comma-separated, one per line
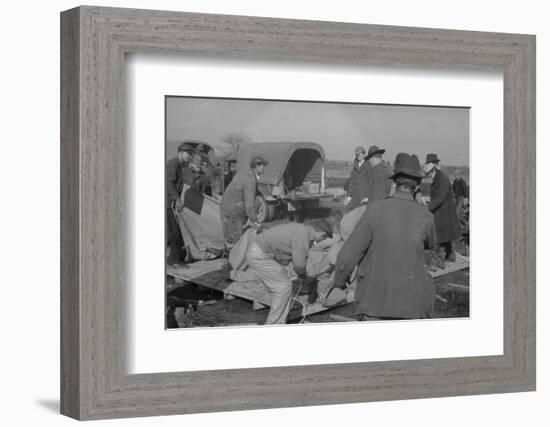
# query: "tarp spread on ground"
[319,266]
[200,225]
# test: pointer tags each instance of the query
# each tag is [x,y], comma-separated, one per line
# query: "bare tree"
[236,139]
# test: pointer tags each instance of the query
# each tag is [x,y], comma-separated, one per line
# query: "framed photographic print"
[242,198]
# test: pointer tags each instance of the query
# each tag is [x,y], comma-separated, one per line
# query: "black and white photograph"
[293,212]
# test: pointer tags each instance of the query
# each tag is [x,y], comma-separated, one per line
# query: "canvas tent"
[200,225]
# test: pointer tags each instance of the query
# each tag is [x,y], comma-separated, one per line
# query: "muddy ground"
[193,306]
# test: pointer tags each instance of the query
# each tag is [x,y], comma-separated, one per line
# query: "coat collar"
[253,175]
[402,195]
[363,165]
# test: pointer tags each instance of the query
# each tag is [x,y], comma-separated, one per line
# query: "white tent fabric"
[202,233]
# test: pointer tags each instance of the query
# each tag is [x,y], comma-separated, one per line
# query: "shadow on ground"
[51,405]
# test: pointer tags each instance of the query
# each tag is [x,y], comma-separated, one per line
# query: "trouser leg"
[448,247]
[175,241]
[276,279]
[232,226]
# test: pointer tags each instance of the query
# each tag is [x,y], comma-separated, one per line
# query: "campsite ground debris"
[240,312]
[187,307]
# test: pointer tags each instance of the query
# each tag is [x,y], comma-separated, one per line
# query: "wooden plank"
[213,274]
[454,287]
[253,290]
[195,270]
[461,263]
[340,318]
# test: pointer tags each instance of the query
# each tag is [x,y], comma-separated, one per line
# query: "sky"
[338,127]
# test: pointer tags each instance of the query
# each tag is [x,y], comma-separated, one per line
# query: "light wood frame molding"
[94,41]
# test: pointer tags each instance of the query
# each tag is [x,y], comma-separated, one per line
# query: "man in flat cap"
[239,201]
[442,205]
[174,170]
[357,185]
[379,175]
[276,247]
[388,246]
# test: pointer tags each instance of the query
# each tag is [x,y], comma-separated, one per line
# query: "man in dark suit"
[442,205]
[174,170]
[387,245]
[357,185]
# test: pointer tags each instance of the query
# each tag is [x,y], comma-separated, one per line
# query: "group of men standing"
[369,178]
[388,242]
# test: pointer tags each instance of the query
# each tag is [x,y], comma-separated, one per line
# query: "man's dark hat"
[432,158]
[407,165]
[257,160]
[183,147]
[374,150]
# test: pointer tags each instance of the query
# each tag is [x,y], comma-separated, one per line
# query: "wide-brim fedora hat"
[407,165]
[432,158]
[374,150]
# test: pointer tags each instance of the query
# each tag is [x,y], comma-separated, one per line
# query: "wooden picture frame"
[94,41]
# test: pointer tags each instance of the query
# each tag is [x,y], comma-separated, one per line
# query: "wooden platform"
[461,263]
[214,274]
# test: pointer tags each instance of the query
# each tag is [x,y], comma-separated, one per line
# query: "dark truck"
[294,179]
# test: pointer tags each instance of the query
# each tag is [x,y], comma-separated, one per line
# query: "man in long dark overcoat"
[238,204]
[357,185]
[442,205]
[379,186]
[174,170]
[388,245]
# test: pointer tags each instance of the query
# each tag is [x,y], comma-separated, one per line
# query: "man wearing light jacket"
[239,201]
[275,248]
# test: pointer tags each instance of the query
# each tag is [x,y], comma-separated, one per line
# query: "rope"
[295,298]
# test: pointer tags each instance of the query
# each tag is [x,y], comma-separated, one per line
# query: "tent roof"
[277,155]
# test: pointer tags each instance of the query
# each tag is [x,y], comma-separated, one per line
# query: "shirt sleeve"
[250,199]
[300,252]
[171,184]
[354,248]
